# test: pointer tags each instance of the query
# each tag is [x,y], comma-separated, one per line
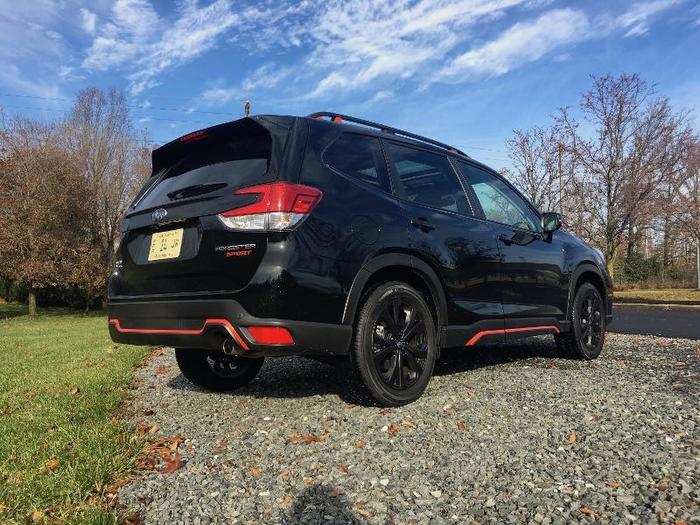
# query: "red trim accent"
[184,331]
[502,331]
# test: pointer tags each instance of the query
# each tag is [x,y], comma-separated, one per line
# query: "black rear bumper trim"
[208,323]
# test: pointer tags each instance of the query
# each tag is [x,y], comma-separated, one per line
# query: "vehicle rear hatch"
[173,240]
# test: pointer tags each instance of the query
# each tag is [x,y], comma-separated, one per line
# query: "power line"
[64,110]
[142,106]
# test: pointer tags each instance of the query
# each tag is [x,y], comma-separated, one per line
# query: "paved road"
[656,320]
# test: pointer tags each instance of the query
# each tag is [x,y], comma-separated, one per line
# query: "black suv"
[332,236]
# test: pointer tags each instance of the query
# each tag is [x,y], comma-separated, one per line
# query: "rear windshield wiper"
[195,189]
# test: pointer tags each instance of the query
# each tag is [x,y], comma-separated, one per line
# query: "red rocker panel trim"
[502,331]
[184,331]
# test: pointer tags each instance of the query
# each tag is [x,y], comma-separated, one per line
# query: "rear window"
[209,166]
[356,156]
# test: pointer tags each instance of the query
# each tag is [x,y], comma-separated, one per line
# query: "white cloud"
[138,40]
[636,20]
[382,96]
[524,42]
[220,95]
[88,20]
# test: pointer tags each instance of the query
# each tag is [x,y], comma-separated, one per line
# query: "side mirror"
[551,221]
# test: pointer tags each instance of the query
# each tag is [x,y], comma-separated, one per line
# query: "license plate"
[165,245]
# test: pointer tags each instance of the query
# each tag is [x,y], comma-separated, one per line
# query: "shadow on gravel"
[320,504]
[294,377]
[457,360]
[297,377]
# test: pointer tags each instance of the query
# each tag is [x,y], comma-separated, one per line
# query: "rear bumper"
[207,324]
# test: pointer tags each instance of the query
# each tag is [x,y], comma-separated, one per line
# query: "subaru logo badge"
[159,214]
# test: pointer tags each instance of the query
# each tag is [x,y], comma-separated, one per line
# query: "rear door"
[173,240]
[461,248]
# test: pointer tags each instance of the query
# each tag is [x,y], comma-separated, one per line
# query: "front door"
[533,282]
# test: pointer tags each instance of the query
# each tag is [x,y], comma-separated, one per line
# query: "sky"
[466,72]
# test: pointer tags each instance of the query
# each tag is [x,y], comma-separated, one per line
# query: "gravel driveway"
[503,434]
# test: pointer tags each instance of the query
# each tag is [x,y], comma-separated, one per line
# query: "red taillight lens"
[270,335]
[279,206]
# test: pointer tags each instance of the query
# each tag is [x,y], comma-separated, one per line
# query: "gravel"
[503,434]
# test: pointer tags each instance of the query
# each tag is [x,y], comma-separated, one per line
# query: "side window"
[426,178]
[357,156]
[498,200]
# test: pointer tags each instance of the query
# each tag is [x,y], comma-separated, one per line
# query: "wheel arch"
[399,267]
[586,272]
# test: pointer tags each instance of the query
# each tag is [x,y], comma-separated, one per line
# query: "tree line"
[624,169]
[64,186]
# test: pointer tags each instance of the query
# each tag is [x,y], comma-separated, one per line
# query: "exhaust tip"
[229,347]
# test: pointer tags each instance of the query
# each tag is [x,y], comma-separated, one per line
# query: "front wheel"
[216,371]
[587,334]
[395,346]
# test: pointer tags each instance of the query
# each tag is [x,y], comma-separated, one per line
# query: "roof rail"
[339,117]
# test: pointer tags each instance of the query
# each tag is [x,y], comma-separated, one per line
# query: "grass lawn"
[61,381]
[675,296]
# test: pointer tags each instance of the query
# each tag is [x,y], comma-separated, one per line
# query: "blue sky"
[467,72]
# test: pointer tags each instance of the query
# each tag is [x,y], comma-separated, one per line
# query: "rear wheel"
[587,334]
[216,370]
[395,346]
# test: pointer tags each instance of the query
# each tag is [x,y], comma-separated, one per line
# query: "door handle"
[505,239]
[422,224]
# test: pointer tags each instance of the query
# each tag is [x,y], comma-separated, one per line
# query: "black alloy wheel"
[587,334]
[399,341]
[395,345]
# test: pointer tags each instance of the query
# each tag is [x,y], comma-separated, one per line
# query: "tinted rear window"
[356,156]
[208,167]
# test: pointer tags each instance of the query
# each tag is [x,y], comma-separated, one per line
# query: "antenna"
[246,108]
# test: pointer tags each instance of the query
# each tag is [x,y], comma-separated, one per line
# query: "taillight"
[279,206]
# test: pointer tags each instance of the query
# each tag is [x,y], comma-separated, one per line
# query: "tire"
[394,346]
[216,371]
[586,336]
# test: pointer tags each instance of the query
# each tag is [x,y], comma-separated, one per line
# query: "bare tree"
[628,143]
[540,166]
[111,158]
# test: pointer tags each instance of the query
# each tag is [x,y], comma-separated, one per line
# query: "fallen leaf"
[52,464]
[336,492]
[662,485]
[287,501]
[384,411]
[360,444]
[255,472]
[393,429]
[308,481]
[572,438]
[343,468]
[74,391]
[461,425]
[37,516]
[172,464]
[162,370]
[148,412]
[587,511]
[133,519]
[306,439]
[285,473]
[220,447]
[613,484]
